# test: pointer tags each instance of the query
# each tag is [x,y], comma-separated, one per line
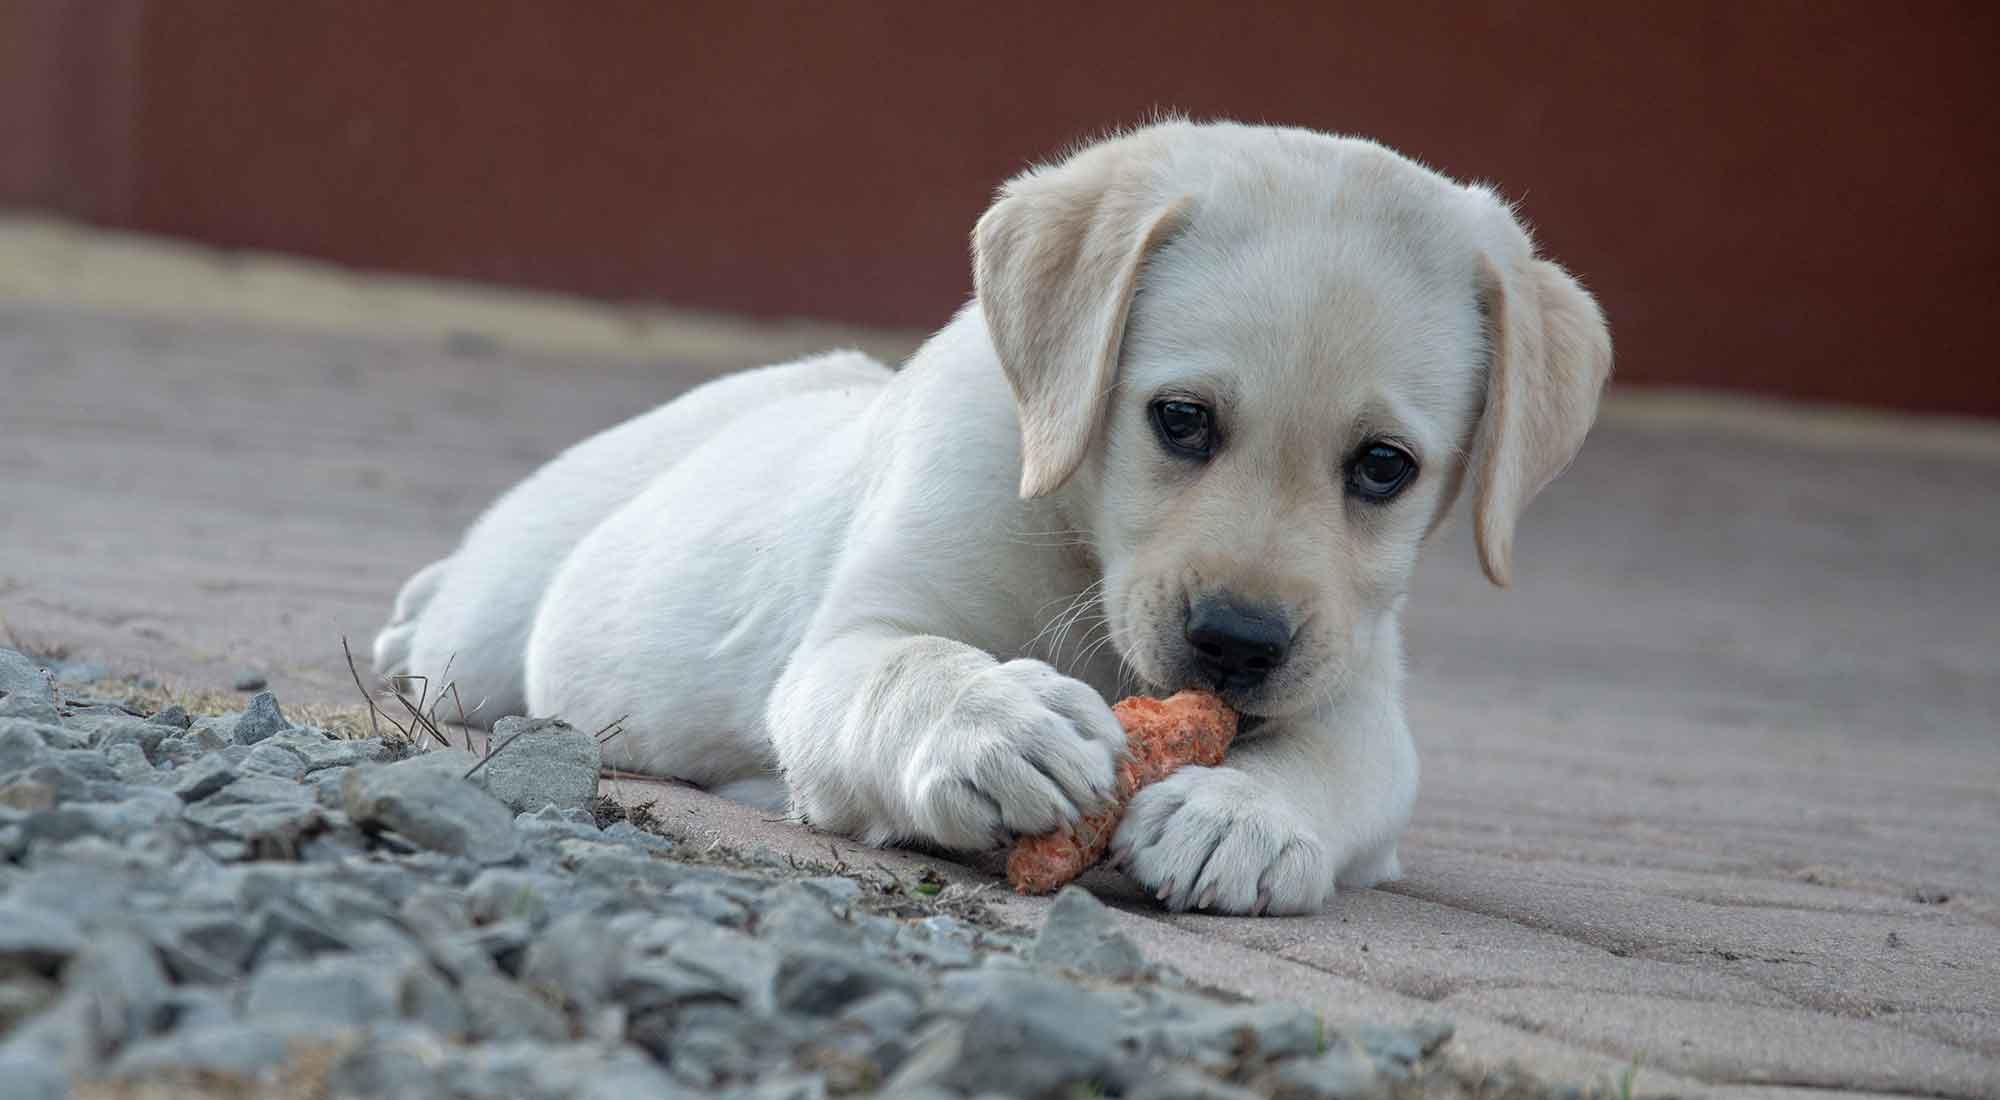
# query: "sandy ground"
[1715,786]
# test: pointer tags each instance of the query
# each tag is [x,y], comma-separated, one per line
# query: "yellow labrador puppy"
[1218,385]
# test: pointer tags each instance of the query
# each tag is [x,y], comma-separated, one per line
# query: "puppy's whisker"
[1060,626]
[1092,639]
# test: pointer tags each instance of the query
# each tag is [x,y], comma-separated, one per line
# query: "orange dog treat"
[1193,727]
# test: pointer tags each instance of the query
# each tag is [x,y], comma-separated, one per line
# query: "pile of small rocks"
[239,906]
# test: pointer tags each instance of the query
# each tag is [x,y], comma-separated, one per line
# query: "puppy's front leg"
[1304,803]
[895,736]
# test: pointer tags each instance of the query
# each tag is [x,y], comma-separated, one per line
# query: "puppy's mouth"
[1252,704]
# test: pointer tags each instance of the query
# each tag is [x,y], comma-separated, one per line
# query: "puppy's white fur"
[910,594]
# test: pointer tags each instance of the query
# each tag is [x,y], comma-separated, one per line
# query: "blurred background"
[1782,198]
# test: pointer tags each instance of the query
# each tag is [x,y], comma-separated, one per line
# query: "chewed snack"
[1193,727]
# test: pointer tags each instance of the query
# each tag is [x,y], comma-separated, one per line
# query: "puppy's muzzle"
[1237,647]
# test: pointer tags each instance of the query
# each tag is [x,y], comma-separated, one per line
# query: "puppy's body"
[912,595]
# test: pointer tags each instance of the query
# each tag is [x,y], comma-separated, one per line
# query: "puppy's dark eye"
[1379,471]
[1185,427]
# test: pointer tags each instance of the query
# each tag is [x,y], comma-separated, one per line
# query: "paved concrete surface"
[1716,786]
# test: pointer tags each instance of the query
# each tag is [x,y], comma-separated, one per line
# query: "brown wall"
[1778,196]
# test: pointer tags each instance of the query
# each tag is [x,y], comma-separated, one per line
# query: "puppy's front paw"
[1213,838]
[1024,750]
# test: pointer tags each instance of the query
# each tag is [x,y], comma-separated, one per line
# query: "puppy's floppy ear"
[1550,356]
[1056,260]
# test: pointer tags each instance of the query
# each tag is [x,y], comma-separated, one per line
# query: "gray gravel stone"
[337,991]
[1339,1073]
[128,761]
[65,825]
[206,947]
[710,902]
[30,1075]
[173,716]
[815,981]
[239,1049]
[64,777]
[1198,1027]
[578,957]
[541,1071]
[250,680]
[794,913]
[791,1086]
[124,983]
[277,760]
[500,1009]
[33,940]
[259,720]
[671,959]
[34,706]
[326,787]
[194,1006]
[59,737]
[1080,934]
[255,789]
[620,868]
[320,751]
[20,674]
[427,799]
[269,830]
[176,751]
[505,894]
[202,778]
[889,1012]
[21,744]
[105,729]
[23,996]
[541,762]
[211,733]
[402,1066]
[1028,1037]
[624,832]
[1185,1083]
[549,823]
[1396,1051]
[27,795]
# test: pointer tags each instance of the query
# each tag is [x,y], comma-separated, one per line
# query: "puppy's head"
[1256,365]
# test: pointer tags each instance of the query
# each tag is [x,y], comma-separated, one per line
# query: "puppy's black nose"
[1237,646]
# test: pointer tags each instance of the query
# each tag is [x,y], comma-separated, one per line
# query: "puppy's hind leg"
[394,641]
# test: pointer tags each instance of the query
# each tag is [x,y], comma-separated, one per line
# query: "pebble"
[278,760]
[20,675]
[1030,1035]
[33,704]
[249,680]
[237,1048]
[497,1008]
[1081,934]
[259,720]
[201,778]
[21,744]
[33,941]
[217,895]
[539,762]
[427,799]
